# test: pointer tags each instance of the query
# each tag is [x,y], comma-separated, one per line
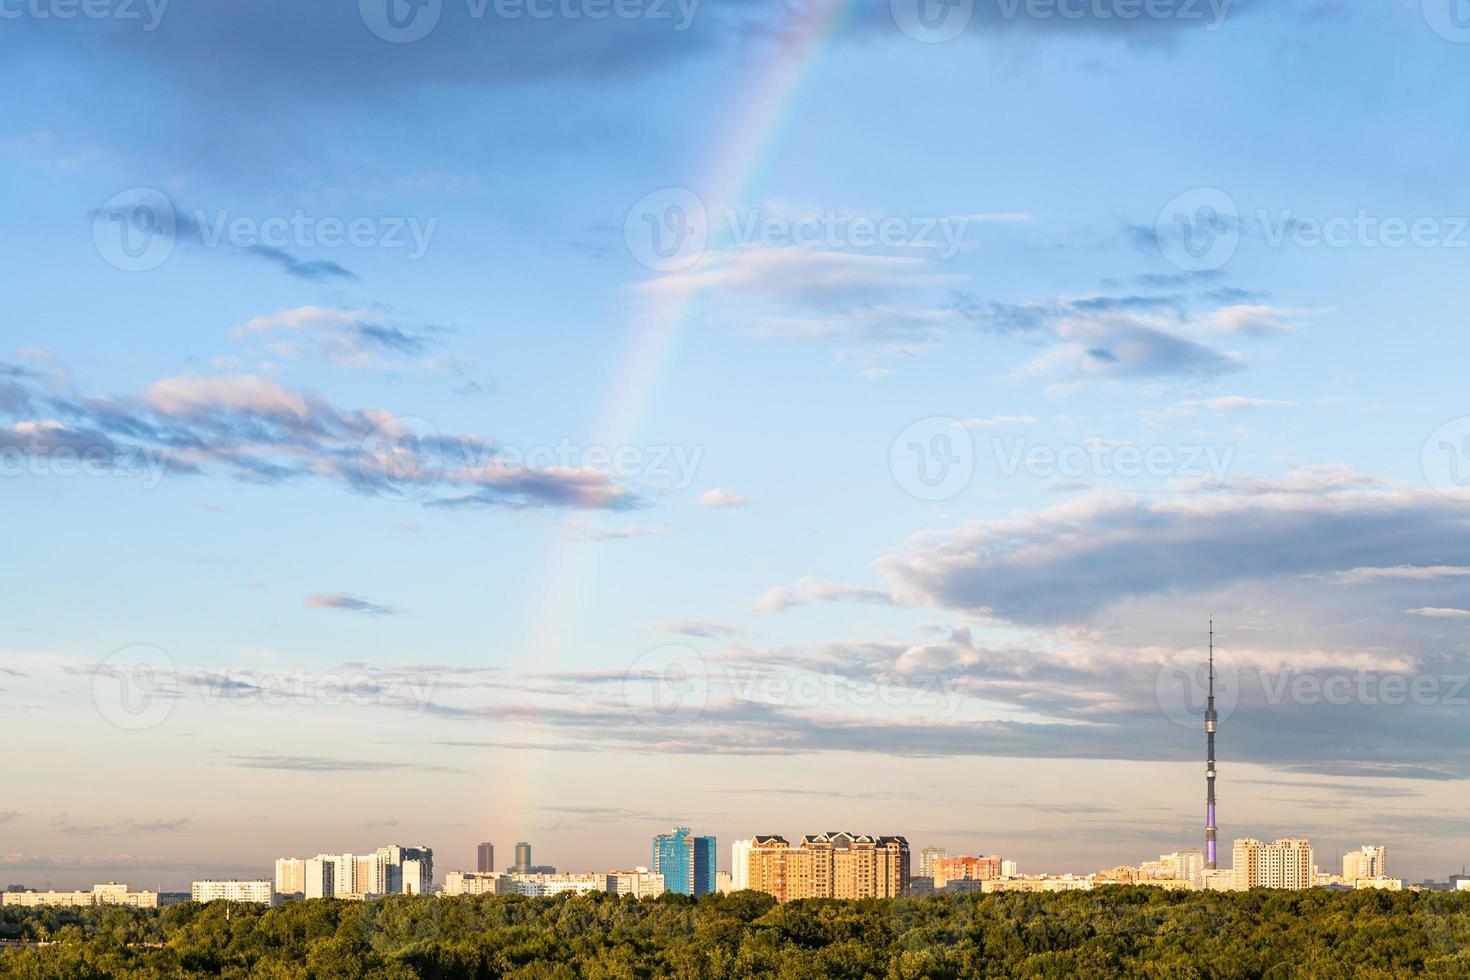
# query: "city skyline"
[463,426]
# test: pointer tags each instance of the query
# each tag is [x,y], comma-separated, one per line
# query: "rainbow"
[733,166]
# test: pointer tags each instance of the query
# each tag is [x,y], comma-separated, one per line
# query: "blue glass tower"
[686,862]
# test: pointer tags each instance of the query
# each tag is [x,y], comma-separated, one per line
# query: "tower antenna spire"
[1210,722]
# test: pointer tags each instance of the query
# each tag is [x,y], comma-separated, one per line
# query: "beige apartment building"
[831,865]
[111,893]
[1284,863]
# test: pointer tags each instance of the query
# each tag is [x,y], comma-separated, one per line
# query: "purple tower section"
[1210,723]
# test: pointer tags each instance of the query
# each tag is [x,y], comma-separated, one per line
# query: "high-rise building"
[1367,861]
[928,857]
[1186,865]
[1284,863]
[291,876]
[740,865]
[485,858]
[832,865]
[686,862]
[321,877]
[254,892]
[1211,719]
[523,857]
[410,870]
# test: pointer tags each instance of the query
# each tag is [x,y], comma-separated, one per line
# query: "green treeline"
[1111,932]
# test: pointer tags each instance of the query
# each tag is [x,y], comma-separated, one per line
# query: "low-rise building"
[1038,883]
[112,893]
[258,892]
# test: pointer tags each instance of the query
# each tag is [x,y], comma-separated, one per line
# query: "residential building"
[640,883]
[966,868]
[723,882]
[1380,882]
[111,893]
[1368,861]
[686,862]
[409,871]
[832,865]
[472,883]
[291,877]
[485,858]
[320,880]
[541,885]
[928,858]
[740,865]
[260,892]
[1008,869]
[1284,863]
[1038,883]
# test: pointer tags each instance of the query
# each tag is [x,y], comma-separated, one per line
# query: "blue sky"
[486,464]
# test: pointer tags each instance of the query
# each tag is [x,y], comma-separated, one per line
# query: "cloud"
[1225,404]
[129,826]
[996,421]
[1120,336]
[6,816]
[262,432]
[348,603]
[1415,573]
[316,763]
[809,589]
[721,497]
[1256,320]
[351,337]
[695,627]
[187,229]
[1433,613]
[1067,563]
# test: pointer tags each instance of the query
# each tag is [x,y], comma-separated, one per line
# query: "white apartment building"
[111,893]
[1008,869]
[259,892]
[458,883]
[320,879]
[542,885]
[739,865]
[390,870]
[640,883]
[1368,861]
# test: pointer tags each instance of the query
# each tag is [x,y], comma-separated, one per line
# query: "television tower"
[1210,719]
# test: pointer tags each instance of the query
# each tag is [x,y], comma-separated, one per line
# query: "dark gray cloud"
[1065,564]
